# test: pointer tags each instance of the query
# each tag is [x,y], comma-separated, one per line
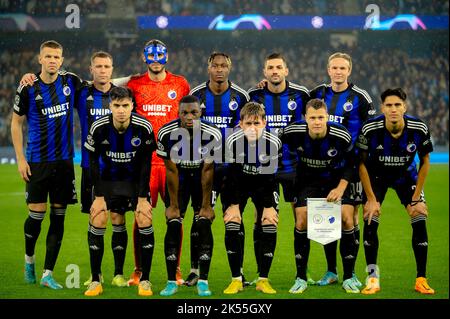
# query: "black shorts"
[404,187]
[189,188]
[356,192]
[121,196]
[306,191]
[55,180]
[256,194]
[121,204]
[86,192]
[220,175]
[287,181]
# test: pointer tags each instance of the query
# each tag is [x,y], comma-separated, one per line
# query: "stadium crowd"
[425,78]
[230,7]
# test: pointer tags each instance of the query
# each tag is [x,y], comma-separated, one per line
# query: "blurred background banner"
[292,22]
[397,43]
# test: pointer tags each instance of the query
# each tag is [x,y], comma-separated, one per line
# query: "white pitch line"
[13,194]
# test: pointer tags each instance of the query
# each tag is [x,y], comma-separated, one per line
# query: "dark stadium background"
[417,60]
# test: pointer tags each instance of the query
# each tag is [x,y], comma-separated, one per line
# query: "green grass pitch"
[396,259]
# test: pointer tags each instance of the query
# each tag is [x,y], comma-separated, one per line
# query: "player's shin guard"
[54,236]
[136,247]
[194,243]
[32,229]
[370,237]
[233,247]
[206,243]
[119,244]
[330,254]
[96,249]
[420,243]
[347,249]
[147,240]
[172,246]
[268,243]
[301,249]
[257,232]
[242,242]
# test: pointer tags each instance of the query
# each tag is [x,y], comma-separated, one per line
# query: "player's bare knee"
[236,219]
[347,222]
[143,221]
[266,222]
[117,219]
[172,215]
[38,207]
[100,220]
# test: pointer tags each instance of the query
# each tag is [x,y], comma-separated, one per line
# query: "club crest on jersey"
[66,90]
[348,106]
[263,158]
[233,105]
[135,141]
[172,94]
[203,150]
[332,152]
[292,105]
[411,147]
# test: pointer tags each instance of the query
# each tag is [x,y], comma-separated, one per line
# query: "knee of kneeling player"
[100,220]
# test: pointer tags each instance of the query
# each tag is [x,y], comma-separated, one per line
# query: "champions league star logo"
[66,90]
[292,105]
[135,141]
[348,106]
[172,94]
[332,152]
[411,147]
[233,105]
